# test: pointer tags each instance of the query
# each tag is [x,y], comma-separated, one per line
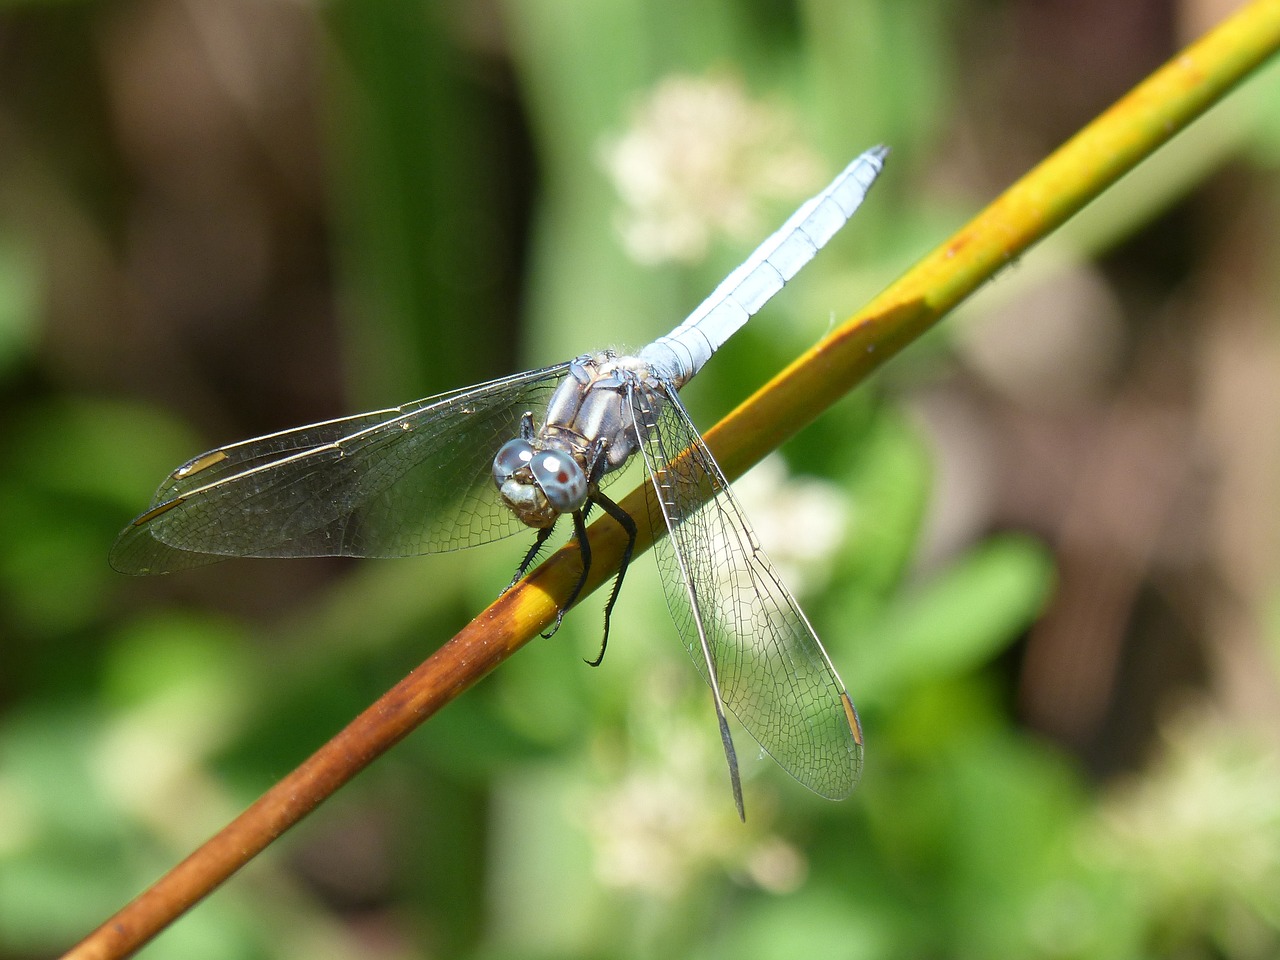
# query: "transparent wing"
[409,480]
[741,626]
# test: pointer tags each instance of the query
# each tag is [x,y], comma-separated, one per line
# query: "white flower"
[702,158]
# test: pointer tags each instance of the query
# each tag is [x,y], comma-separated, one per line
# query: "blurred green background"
[1041,546]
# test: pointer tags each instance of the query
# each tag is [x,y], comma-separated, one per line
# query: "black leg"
[584,551]
[629,525]
[531,556]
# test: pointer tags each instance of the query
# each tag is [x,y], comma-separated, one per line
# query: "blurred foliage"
[223,218]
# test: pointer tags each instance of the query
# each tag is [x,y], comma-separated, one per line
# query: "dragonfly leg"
[628,524]
[527,431]
[584,551]
[529,557]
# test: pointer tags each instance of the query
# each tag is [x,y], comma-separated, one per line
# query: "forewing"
[770,668]
[400,482]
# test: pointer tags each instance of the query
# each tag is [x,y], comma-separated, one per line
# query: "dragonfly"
[480,463]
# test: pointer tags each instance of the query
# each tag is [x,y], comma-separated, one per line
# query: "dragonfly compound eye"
[561,479]
[513,455]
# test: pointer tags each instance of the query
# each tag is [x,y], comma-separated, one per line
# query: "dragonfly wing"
[740,624]
[400,482]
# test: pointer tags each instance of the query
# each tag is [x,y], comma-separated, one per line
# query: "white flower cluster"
[701,157]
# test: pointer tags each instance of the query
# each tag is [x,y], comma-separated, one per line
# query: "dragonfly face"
[589,431]
[538,485]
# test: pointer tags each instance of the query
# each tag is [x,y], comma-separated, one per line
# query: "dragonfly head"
[539,484]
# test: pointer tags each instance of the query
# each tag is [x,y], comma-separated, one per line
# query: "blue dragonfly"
[483,462]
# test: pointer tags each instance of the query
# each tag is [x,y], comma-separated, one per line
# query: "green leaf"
[958,621]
